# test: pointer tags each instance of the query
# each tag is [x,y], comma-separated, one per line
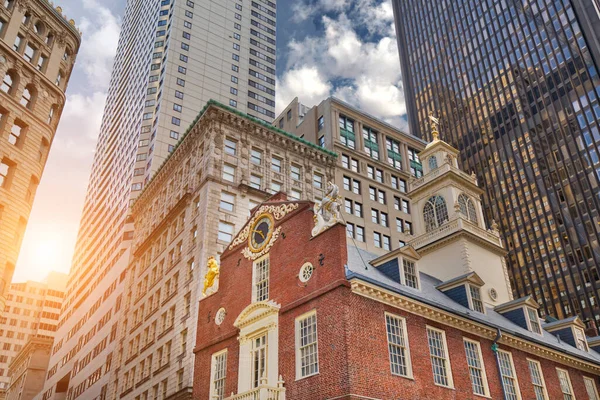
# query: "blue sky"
[345,48]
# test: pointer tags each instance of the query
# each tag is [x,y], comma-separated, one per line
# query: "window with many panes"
[398,345]
[416,169]
[259,359]
[261,279]
[590,388]
[219,373]
[533,320]
[509,378]
[438,353]
[565,384]
[580,339]
[371,144]
[347,136]
[537,380]
[409,268]
[394,157]
[307,355]
[476,368]
[475,298]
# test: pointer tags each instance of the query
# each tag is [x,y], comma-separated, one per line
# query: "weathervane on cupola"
[435,124]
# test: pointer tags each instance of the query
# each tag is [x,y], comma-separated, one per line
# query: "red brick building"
[300,313]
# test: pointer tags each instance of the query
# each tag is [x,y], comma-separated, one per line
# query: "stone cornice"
[460,178]
[427,311]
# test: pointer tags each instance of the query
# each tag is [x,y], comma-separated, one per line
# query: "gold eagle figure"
[211,274]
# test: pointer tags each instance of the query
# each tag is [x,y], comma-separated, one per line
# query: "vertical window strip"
[259,359]
[565,384]
[537,379]
[398,346]
[534,321]
[410,274]
[476,368]
[509,379]
[307,350]
[590,388]
[440,363]
[219,366]
[475,293]
[261,279]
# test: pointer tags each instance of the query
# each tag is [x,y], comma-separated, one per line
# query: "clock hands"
[259,232]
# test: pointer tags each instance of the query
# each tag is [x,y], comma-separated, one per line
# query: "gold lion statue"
[211,274]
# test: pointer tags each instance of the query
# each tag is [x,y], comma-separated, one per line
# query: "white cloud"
[303,10]
[363,71]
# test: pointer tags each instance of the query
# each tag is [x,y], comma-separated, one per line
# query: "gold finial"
[211,274]
[435,123]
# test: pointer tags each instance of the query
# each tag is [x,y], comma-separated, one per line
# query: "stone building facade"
[28,369]
[225,166]
[375,163]
[305,315]
[37,52]
[32,311]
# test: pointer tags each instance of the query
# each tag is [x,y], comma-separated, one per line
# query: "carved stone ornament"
[250,255]
[327,211]
[278,212]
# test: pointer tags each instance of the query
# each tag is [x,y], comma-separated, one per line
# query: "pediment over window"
[256,312]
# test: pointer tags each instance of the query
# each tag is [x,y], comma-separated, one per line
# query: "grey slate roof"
[359,267]
[559,322]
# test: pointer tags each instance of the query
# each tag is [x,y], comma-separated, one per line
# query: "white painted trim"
[593,381]
[486,386]
[409,369]
[213,360]
[558,370]
[514,371]
[541,375]
[447,358]
[254,263]
[403,275]
[297,343]
[470,299]
[528,321]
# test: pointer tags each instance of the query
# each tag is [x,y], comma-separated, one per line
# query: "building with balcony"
[38,46]
[302,313]
[375,163]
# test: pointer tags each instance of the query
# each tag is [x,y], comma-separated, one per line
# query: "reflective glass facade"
[516,85]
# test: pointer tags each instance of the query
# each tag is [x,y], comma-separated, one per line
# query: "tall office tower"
[375,163]
[32,310]
[37,52]
[516,85]
[172,57]
[224,167]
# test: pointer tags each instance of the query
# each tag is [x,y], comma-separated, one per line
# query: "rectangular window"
[371,143]
[476,368]
[276,164]
[318,181]
[475,296]
[393,153]
[347,136]
[307,355]
[227,201]
[261,279]
[256,157]
[405,206]
[537,380]
[358,210]
[350,230]
[230,146]
[398,345]
[295,194]
[534,321]
[275,187]
[509,379]
[565,384]
[410,273]
[295,172]
[377,239]
[225,232]
[590,388]
[438,352]
[360,233]
[255,182]
[356,186]
[259,359]
[387,243]
[218,375]
[228,173]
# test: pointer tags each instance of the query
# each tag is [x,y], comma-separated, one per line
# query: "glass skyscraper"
[516,84]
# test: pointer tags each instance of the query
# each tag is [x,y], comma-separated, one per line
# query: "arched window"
[435,213]
[39,28]
[28,97]
[467,207]
[10,82]
[432,163]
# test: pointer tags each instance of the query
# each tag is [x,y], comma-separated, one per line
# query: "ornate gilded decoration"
[252,255]
[211,274]
[277,211]
[327,212]
[260,233]
[435,123]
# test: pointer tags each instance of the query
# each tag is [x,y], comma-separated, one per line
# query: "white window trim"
[403,276]
[486,386]
[254,263]
[409,369]
[447,358]
[297,344]
[512,365]
[528,321]
[593,381]
[470,299]
[575,329]
[558,371]
[541,376]
[213,370]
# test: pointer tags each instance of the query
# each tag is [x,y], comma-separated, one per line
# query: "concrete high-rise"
[32,311]
[172,57]
[516,85]
[38,46]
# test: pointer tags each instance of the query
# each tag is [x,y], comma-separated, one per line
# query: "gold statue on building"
[212,274]
[435,123]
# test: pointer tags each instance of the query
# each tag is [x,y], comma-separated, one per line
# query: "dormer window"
[475,299]
[410,274]
[533,321]
[580,339]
